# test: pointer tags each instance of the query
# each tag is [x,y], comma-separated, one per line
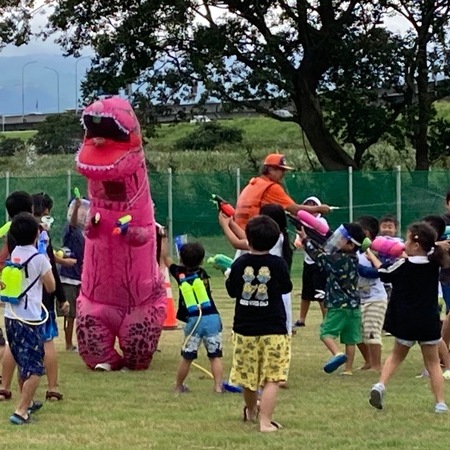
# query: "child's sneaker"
[335,362]
[103,367]
[440,408]
[423,374]
[446,374]
[376,395]
[183,389]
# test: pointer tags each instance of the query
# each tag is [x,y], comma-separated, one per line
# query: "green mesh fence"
[373,193]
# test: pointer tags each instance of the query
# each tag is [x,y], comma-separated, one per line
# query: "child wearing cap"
[313,277]
[343,317]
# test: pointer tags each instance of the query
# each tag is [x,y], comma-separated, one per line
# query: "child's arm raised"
[235,241]
[165,258]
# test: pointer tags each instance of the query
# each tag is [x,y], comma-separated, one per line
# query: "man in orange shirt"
[266,189]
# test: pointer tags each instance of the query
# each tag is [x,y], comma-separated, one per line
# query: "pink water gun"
[308,219]
[388,247]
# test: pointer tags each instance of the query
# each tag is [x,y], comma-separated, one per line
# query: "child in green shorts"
[261,353]
[343,317]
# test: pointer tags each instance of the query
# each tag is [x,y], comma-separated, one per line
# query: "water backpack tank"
[194,293]
[12,278]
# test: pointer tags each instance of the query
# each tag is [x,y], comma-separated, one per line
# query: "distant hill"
[39,83]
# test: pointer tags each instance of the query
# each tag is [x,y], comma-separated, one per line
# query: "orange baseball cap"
[277,160]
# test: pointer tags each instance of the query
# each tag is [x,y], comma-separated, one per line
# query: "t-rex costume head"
[122,291]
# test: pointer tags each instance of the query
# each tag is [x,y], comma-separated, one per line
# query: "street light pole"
[76,81]
[23,87]
[57,83]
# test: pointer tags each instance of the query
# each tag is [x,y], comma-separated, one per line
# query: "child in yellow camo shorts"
[261,354]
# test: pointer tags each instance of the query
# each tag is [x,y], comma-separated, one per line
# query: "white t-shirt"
[308,259]
[37,267]
[370,289]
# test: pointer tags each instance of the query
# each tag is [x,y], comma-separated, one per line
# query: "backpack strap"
[24,293]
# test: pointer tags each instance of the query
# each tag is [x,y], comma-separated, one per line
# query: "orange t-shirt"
[276,194]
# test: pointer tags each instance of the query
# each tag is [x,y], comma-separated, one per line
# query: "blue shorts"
[208,331]
[27,347]
[446,295]
[50,327]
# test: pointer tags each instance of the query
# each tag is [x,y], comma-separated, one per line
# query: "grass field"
[319,411]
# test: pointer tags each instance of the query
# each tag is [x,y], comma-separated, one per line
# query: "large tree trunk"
[424,106]
[330,154]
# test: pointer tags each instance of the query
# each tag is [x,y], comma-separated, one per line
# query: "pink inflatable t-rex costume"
[122,291]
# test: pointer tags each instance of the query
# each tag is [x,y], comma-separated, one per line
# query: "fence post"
[238,182]
[69,185]
[6,192]
[350,194]
[170,210]
[398,186]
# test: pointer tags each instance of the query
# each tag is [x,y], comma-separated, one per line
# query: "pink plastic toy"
[122,292]
[388,247]
[309,220]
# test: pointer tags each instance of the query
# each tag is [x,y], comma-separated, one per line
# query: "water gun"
[221,262]
[4,229]
[43,242]
[122,225]
[76,193]
[319,235]
[388,247]
[223,206]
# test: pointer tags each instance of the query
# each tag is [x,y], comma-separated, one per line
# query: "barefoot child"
[261,342]
[413,314]
[373,301]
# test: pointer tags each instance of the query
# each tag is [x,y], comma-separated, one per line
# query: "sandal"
[17,419]
[52,395]
[5,395]
[246,415]
[35,406]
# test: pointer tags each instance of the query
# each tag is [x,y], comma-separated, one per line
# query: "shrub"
[9,146]
[207,136]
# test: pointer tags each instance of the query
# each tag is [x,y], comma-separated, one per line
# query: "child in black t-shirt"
[195,307]
[261,353]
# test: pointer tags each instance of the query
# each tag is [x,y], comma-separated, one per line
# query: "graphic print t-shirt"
[257,282]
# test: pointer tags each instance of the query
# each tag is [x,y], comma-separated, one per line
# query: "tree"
[59,133]
[428,56]
[15,18]
[262,54]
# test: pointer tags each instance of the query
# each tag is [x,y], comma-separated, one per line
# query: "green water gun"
[76,193]
[221,262]
[4,229]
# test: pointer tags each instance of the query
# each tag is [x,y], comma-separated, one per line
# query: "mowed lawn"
[139,409]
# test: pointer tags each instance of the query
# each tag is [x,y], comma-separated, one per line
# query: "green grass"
[24,135]
[319,411]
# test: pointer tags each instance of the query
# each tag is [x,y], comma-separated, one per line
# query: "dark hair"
[356,232]
[41,202]
[262,233]
[389,218]
[24,229]
[447,196]
[369,224]
[277,213]
[192,254]
[17,202]
[437,223]
[425,236]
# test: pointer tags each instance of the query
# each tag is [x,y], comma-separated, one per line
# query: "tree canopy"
[15,18]
[328,60]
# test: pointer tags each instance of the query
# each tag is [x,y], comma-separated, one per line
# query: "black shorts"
[313,280]
[2,339]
